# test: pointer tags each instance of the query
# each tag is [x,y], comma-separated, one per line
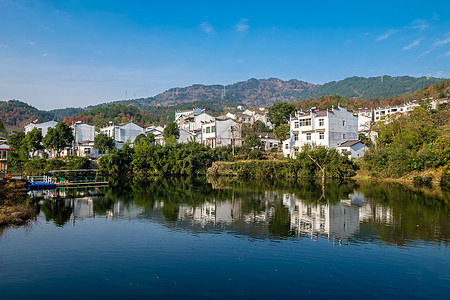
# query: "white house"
[221,132]
[43,127]
[186,137]
[122,133]
[194,121]
[352,149]
[328,128]
[84,135]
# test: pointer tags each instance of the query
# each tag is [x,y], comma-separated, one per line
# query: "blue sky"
[56,54]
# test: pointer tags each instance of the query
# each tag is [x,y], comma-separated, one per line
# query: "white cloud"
[442,42]
[438,43]
[387,34]
[31,43]
[207,27]
[446,54]
[242,25]
[413,44]
[418,24]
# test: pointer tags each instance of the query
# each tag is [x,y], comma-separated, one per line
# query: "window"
[203,130]
[213,129]
[343,136]
[305,122]
[295,136]
[296,125]
[286,146]
[321,135]
[208,129]
[308,136]
[321,122]
[343,122]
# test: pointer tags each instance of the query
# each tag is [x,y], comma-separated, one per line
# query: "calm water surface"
[185,238]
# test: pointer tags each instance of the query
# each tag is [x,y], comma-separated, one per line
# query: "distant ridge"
[265,92]
[253,92]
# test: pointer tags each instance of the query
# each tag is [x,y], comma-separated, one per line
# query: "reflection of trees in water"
[280,222]
[415,214]
[389,212]
[56,211]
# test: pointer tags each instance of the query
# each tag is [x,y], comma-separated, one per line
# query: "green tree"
[33,140]
[19,155]
[171,129]
[16,140]
[252,141]
[58,138]
[280,112]
[103,142]
[281,133]
[142,138]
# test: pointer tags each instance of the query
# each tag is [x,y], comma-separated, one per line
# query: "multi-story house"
[192,120]
[328,128]
[122,133]
[221,132]
[84,135]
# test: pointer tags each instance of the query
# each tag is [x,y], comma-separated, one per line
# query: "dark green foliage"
[33,140]
[252,141]
[117,164]
[280,113]
[19,154]
[103,142]
[76,162]
[281,132]
[171,130]
[59,137]
[142,138]
[255,154]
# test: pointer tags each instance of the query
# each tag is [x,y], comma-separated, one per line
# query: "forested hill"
[16,114]
[265,92]
[253,92]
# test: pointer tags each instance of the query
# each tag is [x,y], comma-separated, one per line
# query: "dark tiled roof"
[349,143]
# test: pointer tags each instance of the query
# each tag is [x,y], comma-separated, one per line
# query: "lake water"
[185,238]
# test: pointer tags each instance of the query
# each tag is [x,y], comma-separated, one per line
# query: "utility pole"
[232,139]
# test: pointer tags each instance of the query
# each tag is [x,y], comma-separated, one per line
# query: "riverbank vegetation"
[416,142]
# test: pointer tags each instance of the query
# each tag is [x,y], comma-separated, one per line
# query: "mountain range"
[252,92]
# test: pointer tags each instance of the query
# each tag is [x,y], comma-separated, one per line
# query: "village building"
[352,149]
[221,131]
[268,142]
[329,128]
[84,135]
[122,133]
[191,121]
[4,149]
[43,127]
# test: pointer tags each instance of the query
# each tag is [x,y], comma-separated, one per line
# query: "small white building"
[221,132]
[122,133]
[328,128]
[352,149]
[43,127]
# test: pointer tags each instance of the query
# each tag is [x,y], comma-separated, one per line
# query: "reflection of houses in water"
[129,211]
[339,220]
[209,212]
